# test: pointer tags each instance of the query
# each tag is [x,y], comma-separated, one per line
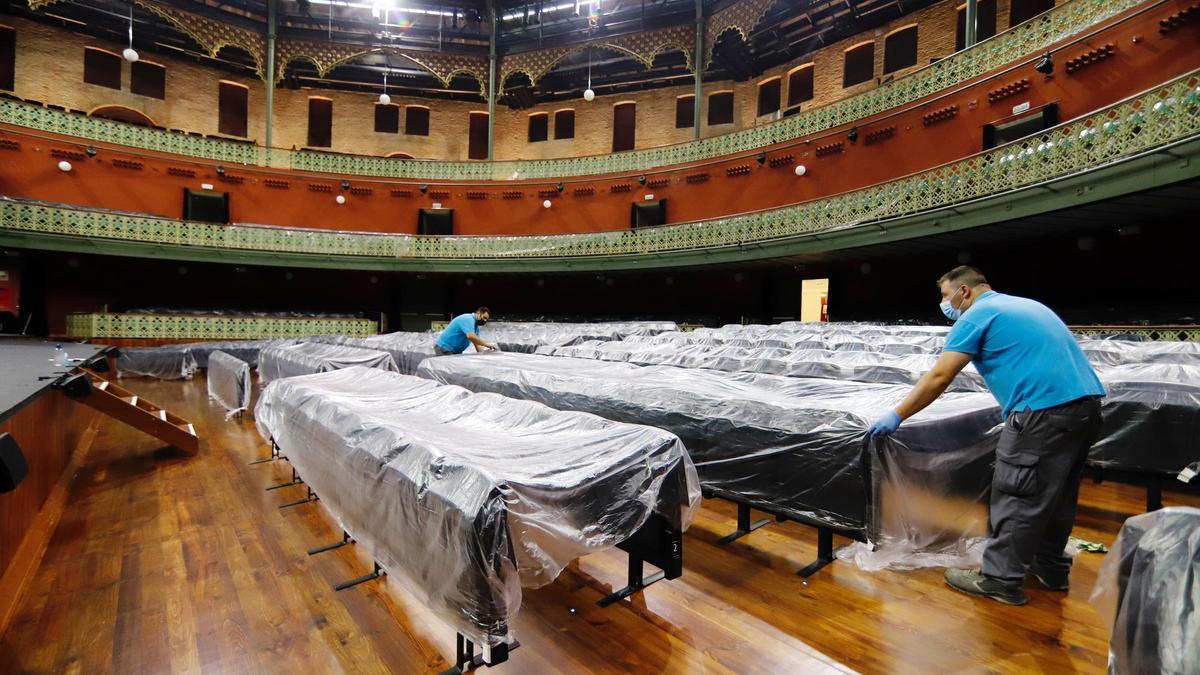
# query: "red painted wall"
[28,167]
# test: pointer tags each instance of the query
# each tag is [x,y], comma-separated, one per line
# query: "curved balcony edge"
[1145,141]
[1066,21]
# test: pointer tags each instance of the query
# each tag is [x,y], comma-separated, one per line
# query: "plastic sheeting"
[306,358]
[229,382]
[468,497]
[792,446]
[1151,418]
[168,362]
[527,337]
[1124,352]
[408,350]
[857,366]
[1148,590]
[180,361]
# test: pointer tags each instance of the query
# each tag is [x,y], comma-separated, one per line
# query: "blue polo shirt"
[1025,353]
[454,338]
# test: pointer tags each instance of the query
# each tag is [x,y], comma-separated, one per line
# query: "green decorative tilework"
[1067,20]
[1153,333]
[210,327]
[1163,116]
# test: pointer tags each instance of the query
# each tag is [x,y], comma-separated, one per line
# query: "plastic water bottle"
[60,355]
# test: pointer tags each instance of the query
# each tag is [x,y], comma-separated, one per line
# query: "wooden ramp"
[137,412]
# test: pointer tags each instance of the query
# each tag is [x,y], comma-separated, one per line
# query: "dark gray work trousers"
[1035,488]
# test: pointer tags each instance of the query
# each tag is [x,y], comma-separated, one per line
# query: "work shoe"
[1052,581]
[974,582]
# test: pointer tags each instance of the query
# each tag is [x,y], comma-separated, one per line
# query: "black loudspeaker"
[1020,127]
[209,207]
[76,386]
[100,365]
[435,221]
[13,468]
[648,214]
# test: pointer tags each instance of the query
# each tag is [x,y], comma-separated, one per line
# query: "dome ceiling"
[439,48]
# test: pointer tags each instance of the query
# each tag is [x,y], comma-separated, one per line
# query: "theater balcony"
[1082,104]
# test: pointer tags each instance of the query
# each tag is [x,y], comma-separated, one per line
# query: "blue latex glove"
[884,426]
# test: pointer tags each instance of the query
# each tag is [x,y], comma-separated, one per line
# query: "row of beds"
[575,439]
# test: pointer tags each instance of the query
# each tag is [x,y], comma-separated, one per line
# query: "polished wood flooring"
[163,563]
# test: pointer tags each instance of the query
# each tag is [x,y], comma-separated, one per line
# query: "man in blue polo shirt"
[1050,398]
[462,332]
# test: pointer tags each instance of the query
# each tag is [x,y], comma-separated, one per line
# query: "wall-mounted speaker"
[13,468]
[75,386]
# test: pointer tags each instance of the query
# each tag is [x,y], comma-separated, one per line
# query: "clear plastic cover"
[180,361]
[168,362]
[527,337]
[857,366]
[229,382]
[792,446]
[468,497]
[1151,418]
[1148,591]
[306,358]
[408,350]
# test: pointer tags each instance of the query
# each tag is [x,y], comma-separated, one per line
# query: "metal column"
[270,70]
[972,20]
[698,64]
[492,83]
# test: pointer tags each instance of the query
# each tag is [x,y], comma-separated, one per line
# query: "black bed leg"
[329,547]
[466,659]
[378,572]
[744,526]
[634,580]
[270,458]
[825,553]
[1153,495]
[294,481]
[310,497]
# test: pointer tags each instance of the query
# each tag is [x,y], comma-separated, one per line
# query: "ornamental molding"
[742,17]
[326,56]
[643,47]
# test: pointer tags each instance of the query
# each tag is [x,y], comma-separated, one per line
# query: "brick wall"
[49,67]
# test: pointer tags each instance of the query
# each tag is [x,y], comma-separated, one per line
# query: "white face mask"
[948,308]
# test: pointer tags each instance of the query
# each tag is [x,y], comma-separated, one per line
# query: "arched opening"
[121,113]
[398,155]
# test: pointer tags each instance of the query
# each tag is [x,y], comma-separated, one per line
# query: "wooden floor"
[167,564]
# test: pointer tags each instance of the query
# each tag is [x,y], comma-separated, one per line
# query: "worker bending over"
[462,332]
[1050,398]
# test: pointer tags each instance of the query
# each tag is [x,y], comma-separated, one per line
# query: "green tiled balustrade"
[1166,115]
[1067,20]
[211,327]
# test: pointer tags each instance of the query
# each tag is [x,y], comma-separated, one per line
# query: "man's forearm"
[926,391]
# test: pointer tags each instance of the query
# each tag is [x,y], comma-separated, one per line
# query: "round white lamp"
[801,170]
[546,204]
[130,54]
[588,94]
[341,199]
[384,99]
[64,165]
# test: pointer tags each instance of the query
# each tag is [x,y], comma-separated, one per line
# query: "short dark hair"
[963,274]
[483,310]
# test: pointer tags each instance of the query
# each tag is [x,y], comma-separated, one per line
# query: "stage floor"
[167,564]
[27,368]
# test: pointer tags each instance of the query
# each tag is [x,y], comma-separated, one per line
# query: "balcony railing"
[1067,20]
[1159,117]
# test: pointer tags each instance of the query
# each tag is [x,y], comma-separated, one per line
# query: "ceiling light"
[129,54]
